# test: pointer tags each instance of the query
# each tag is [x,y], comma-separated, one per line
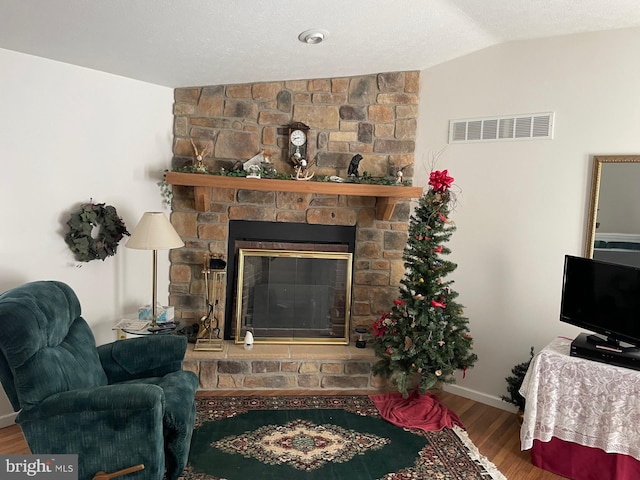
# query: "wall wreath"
[110,231]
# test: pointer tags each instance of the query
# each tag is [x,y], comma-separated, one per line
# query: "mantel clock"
[298,142]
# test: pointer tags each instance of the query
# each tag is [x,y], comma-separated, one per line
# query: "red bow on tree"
[379,329]
[440,180]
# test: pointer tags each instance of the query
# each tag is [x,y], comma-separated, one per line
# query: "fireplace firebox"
[289,282]
[293,296]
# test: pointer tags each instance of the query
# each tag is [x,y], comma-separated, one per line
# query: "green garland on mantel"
[111,229]
[366,178]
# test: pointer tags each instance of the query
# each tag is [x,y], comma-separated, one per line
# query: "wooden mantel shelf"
[386,195]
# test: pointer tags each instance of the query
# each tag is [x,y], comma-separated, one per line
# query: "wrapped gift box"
[163,314]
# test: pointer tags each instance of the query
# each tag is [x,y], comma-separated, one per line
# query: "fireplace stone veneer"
[373,115]
[377,266]
[285,367]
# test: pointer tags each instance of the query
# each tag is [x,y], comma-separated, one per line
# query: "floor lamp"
[154,232]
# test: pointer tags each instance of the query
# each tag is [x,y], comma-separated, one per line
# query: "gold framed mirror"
[613,227]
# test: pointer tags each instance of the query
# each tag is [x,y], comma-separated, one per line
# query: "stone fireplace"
[373,115]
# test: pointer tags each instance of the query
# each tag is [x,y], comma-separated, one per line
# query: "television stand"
[573,408]
[601,351]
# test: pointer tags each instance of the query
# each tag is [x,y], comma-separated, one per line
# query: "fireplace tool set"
[208,337]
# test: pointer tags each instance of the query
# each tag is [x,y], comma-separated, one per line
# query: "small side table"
[163,331]
[169,328]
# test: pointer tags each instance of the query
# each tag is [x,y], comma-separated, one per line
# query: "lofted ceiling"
[179,43]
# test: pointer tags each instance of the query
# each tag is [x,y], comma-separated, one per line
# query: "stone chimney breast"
[373,115]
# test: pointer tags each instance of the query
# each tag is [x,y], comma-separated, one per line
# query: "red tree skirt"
[416,411]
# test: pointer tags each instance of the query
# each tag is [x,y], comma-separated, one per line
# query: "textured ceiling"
[179,43]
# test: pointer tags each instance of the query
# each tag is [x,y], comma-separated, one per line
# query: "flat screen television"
[604,298]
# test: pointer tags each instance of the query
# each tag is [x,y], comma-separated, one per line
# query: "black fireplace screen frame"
[301,234]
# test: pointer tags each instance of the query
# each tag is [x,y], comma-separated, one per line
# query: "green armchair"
[115,406]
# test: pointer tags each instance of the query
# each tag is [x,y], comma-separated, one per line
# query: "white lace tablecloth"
[581,401]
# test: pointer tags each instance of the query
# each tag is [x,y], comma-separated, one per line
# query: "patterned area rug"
[322,438]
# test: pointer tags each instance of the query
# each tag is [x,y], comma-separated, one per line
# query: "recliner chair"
[117,405]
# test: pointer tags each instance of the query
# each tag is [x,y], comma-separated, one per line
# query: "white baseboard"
[8,419]
[490,400]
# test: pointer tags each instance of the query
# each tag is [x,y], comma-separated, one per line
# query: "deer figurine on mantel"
[200,154]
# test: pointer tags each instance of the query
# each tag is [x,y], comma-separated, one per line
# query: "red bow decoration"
[440,180]
[398,302]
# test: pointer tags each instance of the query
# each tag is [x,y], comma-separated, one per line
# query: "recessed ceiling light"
[313,36]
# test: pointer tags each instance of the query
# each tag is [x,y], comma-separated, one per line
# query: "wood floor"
[495,432]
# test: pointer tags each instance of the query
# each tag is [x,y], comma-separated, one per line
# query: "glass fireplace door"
[287,296]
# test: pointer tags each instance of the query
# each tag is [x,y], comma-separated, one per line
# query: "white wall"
[523,204]
[68,135]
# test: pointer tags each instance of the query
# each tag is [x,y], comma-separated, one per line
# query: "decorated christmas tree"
[425,334]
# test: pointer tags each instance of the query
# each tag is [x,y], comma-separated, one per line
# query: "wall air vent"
[529,126]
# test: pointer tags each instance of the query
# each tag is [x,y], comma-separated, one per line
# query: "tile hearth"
[285,367]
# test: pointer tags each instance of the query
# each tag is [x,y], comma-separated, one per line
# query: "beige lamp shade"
[154,232]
